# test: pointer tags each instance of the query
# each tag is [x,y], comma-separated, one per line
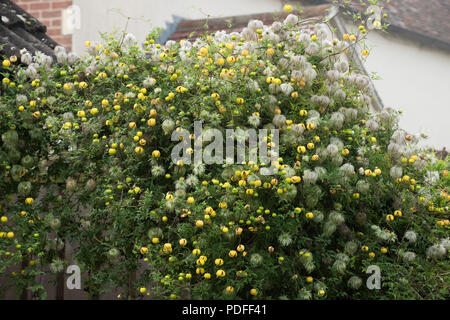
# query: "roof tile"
[18,30]
[428,18]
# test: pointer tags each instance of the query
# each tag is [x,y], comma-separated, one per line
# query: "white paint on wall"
[415,79]
[71,19]
[106,16]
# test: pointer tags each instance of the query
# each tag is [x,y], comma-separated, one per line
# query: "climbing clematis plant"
[85,161]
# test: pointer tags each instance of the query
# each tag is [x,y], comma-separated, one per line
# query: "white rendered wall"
[415,79]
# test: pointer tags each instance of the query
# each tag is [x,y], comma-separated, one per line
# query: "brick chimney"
[50,13]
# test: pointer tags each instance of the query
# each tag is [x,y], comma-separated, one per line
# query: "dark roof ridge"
[19,30]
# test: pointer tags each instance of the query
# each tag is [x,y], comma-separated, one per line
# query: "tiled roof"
[19,30]
[195,28]
[420,19]
[430,18]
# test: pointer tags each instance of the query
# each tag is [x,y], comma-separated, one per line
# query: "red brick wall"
[49,12]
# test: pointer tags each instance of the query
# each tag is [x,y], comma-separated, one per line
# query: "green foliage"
[85,160]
